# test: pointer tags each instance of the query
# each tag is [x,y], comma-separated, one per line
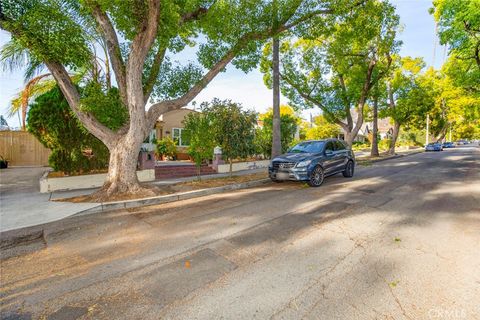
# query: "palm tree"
[34,87]
[13,56]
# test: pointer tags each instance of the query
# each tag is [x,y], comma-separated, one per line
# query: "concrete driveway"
[399,241]
[21,203]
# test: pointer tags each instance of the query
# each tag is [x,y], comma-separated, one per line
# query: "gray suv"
[312,161]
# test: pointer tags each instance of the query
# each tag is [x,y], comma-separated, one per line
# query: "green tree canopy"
[335,67]
[198,130]
[459,28]
[289,123]
[231,127]
[322,129]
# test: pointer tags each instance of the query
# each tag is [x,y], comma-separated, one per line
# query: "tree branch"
[346,102]
[70,92]
[477,54]
[306,17]
[154,71]
[159,108]
[139,49]
[363,97]
[194,15]
[113,47]
[315,13]
[160,55]
[308,97]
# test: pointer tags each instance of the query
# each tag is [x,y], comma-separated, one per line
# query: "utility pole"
[426,137]
[276,130]
[434,45]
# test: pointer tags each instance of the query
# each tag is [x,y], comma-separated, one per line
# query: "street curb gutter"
[128,204]
[388,158]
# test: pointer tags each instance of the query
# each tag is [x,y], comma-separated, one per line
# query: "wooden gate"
[21,148]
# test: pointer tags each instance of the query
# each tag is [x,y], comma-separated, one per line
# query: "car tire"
[276,181]
[316,177]
[349,170]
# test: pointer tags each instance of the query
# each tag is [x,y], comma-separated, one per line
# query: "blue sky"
[418,38]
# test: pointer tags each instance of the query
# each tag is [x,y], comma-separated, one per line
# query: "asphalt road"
[401,240]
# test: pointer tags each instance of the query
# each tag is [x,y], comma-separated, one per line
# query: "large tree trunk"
[349,137]
[374,150]
[122,170]
[396,131]
[442,133]
[276,130]
[24,116]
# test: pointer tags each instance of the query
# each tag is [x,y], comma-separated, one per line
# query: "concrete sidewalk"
[22,205]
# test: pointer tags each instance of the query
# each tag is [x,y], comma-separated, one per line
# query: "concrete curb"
[128,204]
[396,156]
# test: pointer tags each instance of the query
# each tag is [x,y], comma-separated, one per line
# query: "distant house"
[385,128]
[170,124]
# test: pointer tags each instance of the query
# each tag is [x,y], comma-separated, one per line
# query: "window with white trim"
[179,137]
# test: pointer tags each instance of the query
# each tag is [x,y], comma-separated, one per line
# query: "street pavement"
[398,241]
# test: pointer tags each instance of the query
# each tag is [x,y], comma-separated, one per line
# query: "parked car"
[434,146]
[312,161]
[448,145]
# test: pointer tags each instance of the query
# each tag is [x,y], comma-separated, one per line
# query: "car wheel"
[349,169]
[316,177]
[275,180]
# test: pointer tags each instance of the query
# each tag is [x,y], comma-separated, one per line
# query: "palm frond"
[13,56]
[33,69]
[15,105]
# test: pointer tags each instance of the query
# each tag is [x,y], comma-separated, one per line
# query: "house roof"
[184,110]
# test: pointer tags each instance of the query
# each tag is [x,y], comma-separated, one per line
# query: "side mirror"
[328,152]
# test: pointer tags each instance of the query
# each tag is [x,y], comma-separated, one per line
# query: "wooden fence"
[22,149]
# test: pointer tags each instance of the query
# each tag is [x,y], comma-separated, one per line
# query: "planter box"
[85,181]
[239,166]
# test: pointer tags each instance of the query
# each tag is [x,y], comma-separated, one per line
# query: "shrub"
[232,128]
[198,131]
[263,135]
[358,146]
[166,147]
[52,122]
[384,144]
